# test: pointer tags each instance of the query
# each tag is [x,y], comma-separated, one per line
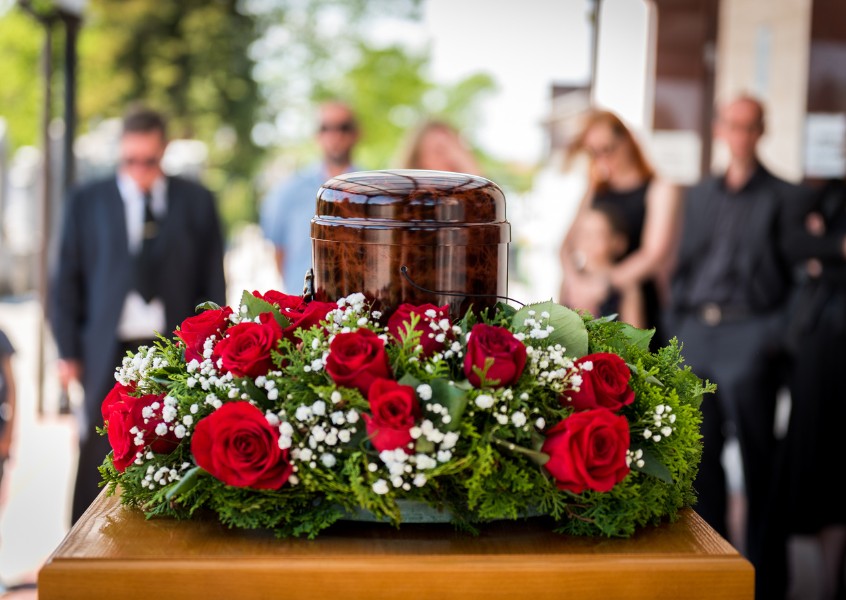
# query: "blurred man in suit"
[138,252]
[729,296]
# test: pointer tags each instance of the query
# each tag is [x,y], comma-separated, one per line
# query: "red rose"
[587,450]
[605,384]
[400,320]
[305,316]
[395,411]
[237,445]
[300,314]
[194,331]
[497,343]
[356,359]
[281,300]
[245,351]
[122,413]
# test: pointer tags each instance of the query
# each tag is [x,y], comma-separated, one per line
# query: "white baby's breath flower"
[484,401]
[449,441]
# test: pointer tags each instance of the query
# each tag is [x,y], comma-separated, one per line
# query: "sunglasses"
[345,127]
[147,163]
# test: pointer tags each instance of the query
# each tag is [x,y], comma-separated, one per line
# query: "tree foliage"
[243,76]
[189,58]
[21,48]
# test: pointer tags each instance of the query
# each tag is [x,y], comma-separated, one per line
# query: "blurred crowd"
[745,269]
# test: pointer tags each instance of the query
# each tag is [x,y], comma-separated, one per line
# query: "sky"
[526,47]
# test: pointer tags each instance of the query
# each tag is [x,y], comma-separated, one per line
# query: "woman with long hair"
[621,179]
[437,145]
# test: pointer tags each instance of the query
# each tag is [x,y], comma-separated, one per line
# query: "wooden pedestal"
[114,552]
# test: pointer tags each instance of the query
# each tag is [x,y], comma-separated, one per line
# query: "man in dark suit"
[138,252]
[728,300]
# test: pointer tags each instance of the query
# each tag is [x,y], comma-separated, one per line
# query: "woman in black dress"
[622,180]
[816,336]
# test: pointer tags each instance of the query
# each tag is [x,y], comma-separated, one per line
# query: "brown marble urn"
[411,236]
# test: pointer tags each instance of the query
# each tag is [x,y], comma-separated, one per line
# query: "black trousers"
[94,447]
[744,359]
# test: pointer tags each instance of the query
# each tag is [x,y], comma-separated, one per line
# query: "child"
[599,241]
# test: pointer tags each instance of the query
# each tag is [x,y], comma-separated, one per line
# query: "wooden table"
[114,553]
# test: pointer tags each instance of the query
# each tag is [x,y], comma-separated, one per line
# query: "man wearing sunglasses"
[287,210]
[138,252]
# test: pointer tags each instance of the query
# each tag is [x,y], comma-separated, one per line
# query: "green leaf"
[255,393]
[569,328]
[190,479]
[409,379]
[504,309]
[637,337]
[209,305]
[540,458]
[652,465]
[257,306]
[424,446]
[605,319]
[451,396]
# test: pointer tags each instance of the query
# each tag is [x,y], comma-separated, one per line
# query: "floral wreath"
[291,415]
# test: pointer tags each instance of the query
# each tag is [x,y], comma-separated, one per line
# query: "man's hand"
[69,370]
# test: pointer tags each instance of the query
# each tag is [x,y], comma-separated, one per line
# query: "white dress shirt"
[139,319]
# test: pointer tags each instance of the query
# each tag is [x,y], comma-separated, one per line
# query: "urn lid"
[410,197]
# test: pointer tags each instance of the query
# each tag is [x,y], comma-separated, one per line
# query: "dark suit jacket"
[763,261]
[94,272]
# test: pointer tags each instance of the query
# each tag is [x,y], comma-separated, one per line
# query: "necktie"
[146,264]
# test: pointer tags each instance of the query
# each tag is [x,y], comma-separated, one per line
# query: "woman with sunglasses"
[620,179]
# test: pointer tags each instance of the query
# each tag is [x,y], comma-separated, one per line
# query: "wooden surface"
[114,552]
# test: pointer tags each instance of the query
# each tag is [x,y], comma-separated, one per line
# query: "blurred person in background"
[438,146]
[599,242]
[7,401]
[287,210]
[816,336]
[7,411]
[138,252]
[729,294]
[621,177]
